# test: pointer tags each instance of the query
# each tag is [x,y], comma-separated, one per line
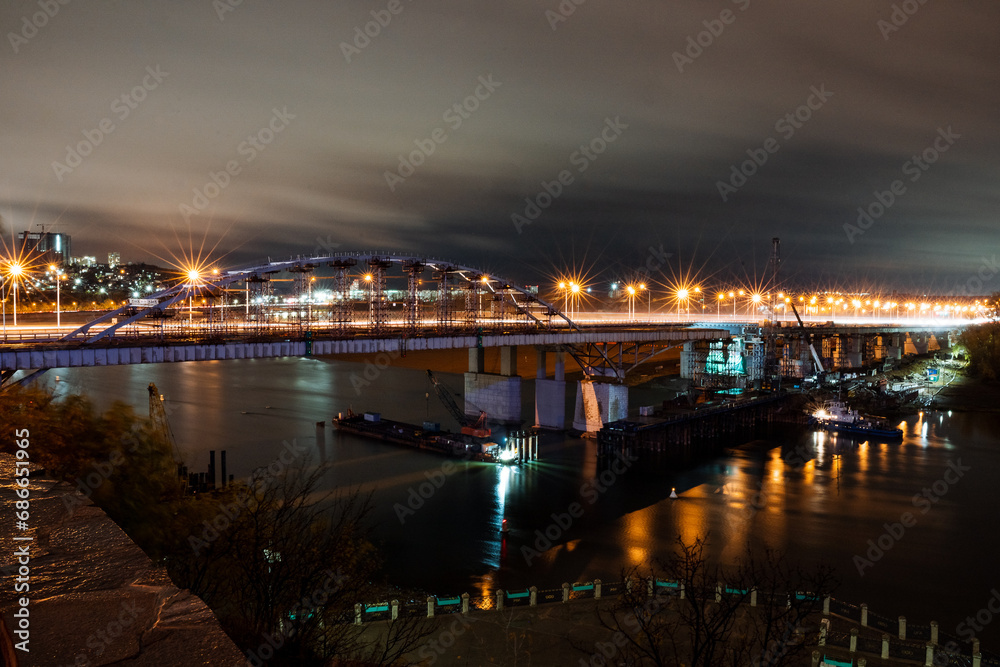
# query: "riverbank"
[92,596]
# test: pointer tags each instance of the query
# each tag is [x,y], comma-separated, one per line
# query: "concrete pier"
[599,403]
[550,395]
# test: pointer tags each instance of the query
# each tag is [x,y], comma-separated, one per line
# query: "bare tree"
[286,567]
[755,613]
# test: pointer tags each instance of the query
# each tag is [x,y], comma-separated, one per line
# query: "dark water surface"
[818,497]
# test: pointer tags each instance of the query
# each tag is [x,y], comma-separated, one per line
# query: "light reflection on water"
[824,505]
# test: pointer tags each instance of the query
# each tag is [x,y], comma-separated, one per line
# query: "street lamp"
[631,302]
[718,308]
[756,299]
[575,289]
[682,295]
[14,271]
[55,269]
[193,276]
[732,295]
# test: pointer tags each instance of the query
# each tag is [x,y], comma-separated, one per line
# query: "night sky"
[647,129]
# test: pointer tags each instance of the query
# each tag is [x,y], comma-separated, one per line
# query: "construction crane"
[474,427]
[819,362]
[158,417]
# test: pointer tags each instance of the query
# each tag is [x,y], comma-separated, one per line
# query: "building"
[52,247]
[114,259]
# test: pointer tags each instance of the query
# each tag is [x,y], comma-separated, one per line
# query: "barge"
[372,425]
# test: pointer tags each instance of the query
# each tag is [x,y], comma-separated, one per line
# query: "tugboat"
[836,416]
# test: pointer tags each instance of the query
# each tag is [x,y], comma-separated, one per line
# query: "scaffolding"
[378,307]
[472,292]
[259,292]
[445,308]
[343,313]
[413,270]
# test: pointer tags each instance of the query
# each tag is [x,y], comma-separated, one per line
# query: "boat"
[372,425]
[836,416]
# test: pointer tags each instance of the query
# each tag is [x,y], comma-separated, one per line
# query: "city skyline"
[527,140]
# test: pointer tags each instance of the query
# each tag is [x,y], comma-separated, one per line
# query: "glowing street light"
[59,275]
[682,297]
[15,270]
[631,301]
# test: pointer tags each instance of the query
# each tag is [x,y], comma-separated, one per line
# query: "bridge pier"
[599,403]
[550,395]
[894,349]
[686,364]
[853,355]
[499,395]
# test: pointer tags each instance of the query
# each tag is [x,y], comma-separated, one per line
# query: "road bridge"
[382,304]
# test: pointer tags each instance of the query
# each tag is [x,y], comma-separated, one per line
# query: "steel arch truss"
[467,298]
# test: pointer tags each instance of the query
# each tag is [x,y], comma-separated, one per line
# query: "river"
[816,496]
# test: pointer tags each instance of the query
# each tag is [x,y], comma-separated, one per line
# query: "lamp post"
[58,273]
[193,276]
[574,289]
[682,296]
[718,309]
[631,302]
[15,271]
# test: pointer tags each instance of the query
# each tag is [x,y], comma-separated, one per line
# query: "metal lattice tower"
[472,301]
[258,292]
[377,304]
[497,308]
[445,312]
[343,314]
[303,277]
[413,270]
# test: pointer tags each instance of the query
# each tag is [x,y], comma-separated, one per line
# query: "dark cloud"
[322,178]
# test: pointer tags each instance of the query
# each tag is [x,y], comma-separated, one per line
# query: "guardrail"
[877,635]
